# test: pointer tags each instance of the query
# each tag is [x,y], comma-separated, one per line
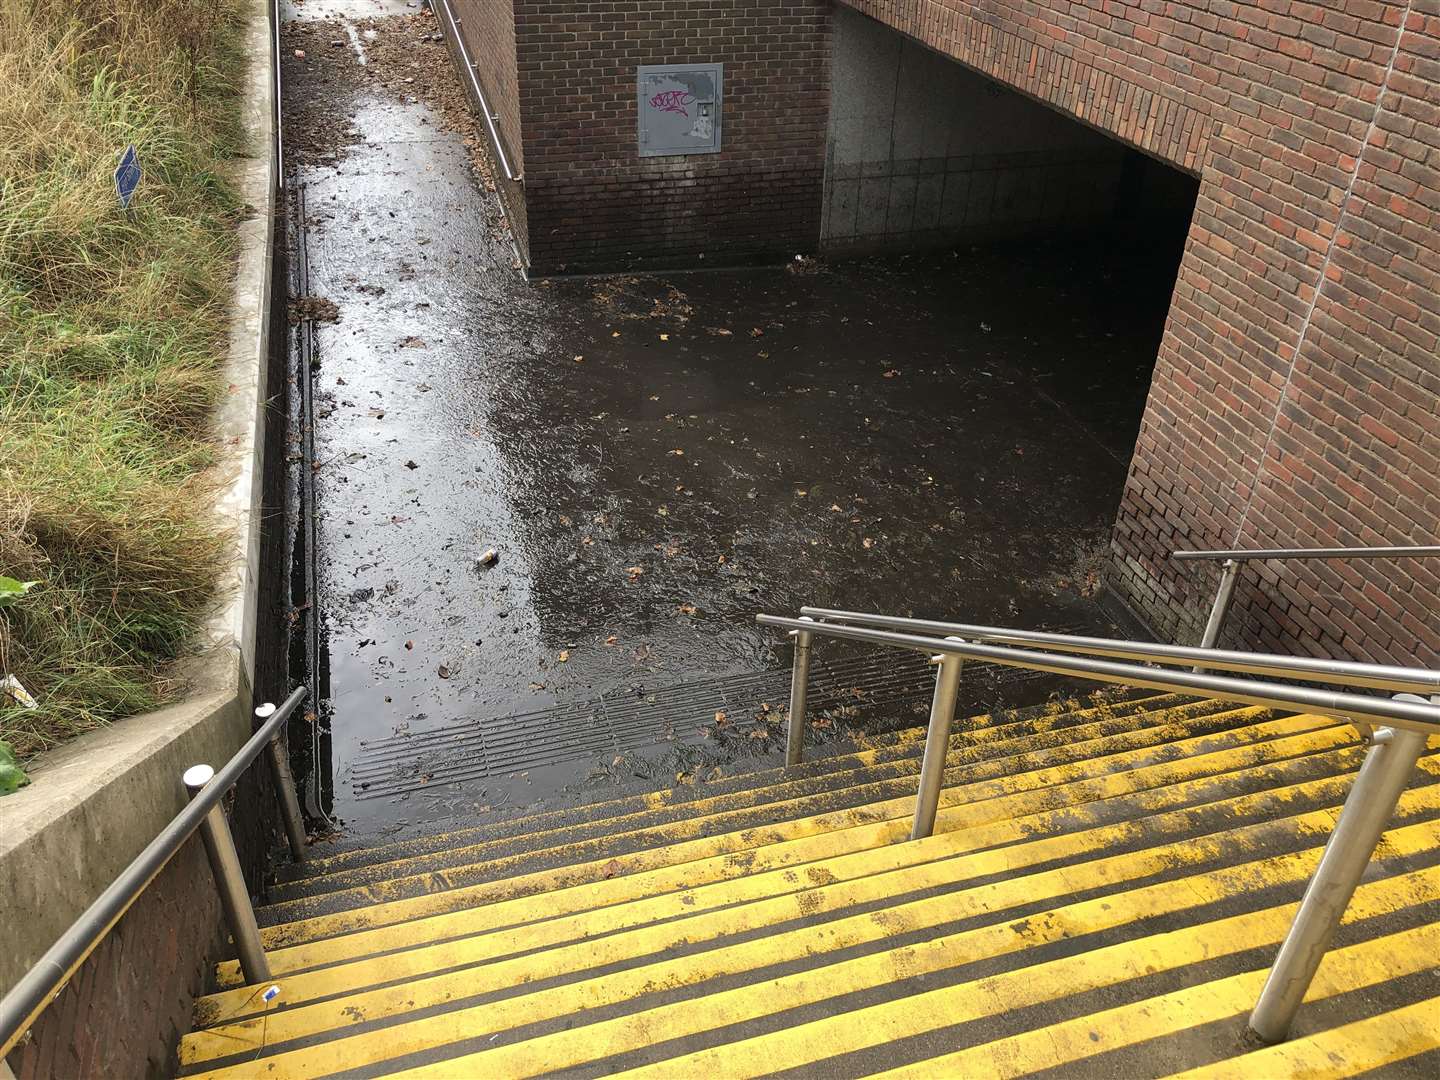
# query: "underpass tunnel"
[923,153]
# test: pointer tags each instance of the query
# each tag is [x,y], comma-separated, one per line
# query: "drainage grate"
[620,720]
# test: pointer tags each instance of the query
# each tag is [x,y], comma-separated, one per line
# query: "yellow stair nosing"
[695,878]
[1245,843]
[1360,1046]
[1064,1044]
[840,1033]
[706,809]
[772,843]
[981,724]
[674,836]
[1178,765]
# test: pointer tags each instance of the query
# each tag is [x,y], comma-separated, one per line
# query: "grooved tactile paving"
[1104,892]
[623,719]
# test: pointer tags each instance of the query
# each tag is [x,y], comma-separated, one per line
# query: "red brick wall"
[488,27]
[594,203]
[1295,391]
[125,1009]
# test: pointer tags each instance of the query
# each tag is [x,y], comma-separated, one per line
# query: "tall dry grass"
[112,328]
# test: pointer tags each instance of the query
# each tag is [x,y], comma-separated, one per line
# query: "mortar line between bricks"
[1324,269]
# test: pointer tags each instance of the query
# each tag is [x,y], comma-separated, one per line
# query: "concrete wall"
[1294,397]
[924,152]
[594,203]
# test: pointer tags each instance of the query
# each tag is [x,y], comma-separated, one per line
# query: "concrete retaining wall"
[95,803]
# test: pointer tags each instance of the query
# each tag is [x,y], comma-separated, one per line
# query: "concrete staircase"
[1103,894]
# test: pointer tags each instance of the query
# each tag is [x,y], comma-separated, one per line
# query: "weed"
[112,330]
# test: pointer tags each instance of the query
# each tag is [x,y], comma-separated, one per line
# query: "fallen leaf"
[664,337]
[677,453]
[537,686]
[564,655]
[890,374]
[835,507]
[758,733]
[443,671]
[612,640]
[755,331]
[579,359]
[587,541]
[720,716]
[867,542]
[687,609]
[663,512]
[634,572]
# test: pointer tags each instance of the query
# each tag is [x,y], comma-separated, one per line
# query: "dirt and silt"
[538,498]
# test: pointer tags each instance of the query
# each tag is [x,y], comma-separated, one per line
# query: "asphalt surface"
[652,460]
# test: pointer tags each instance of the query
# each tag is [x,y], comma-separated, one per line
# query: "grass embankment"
[112,333]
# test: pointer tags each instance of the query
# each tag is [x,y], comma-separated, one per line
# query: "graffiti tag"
[672,101]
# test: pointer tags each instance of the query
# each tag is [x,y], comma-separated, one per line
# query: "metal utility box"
[679,108]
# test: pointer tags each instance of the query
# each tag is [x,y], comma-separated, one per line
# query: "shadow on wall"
[922,152]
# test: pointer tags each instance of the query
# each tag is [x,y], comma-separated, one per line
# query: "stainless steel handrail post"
[799,691]
[284,781]
[1368,810]
[937,742]
[1229,571]
[229,880]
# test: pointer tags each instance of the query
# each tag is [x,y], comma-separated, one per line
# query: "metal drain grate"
[619,720]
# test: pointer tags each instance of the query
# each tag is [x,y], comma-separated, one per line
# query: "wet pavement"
[654,460]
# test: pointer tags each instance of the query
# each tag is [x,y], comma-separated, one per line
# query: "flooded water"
[653,460]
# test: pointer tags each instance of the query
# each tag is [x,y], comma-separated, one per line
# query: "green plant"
[112,327]
[12,777]
[12,590]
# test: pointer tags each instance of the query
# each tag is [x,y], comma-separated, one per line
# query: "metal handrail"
[1230,562]
[1314,669]
[1395,748]
[501,157]
[39,986]
[1244,555]
[1344,706]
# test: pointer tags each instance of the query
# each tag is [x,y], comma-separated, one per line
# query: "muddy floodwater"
[531,496]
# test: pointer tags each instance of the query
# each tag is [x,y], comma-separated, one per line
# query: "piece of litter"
[488,557]
[11,692]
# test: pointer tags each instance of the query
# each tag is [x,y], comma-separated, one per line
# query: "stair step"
[695,837]
[866,782]
[1134,818]
[451,971]
[874,750]
[1104,893]
[1360,1046]
[1030,976]
[1152,1023]
[1238,938]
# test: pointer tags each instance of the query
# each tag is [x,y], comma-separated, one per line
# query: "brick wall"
[488,27]
[124,1011]
[1295,391]
[594,203]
